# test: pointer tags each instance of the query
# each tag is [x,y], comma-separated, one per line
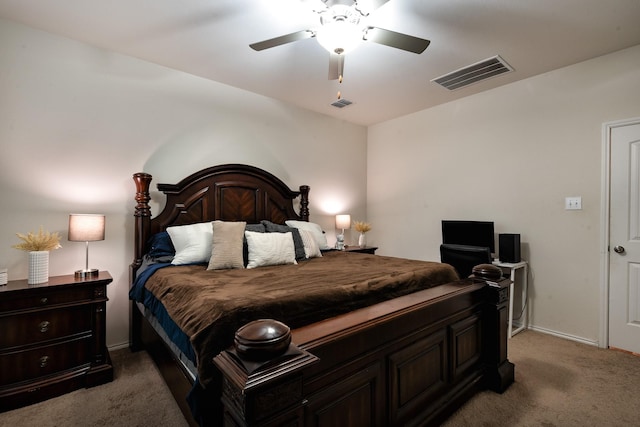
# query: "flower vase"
[362,241]
[38,267]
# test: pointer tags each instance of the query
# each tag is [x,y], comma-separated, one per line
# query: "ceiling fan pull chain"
[340,69]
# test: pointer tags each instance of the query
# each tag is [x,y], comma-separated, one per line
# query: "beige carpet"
[137,397]
[559,383]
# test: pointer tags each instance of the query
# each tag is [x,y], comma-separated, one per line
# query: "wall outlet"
[573,203]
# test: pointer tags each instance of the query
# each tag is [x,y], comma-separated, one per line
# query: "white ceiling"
[210,38]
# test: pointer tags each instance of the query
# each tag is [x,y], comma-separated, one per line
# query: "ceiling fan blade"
[278,41]
[368,6]
[336,66]
[374,4]
[397,40]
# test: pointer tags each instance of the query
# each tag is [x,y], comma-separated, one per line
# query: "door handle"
[618,249]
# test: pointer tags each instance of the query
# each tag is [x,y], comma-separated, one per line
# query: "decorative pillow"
[258,228]
[270,249]
[160,245]
[311,248]
[226,248]
[314,228]
[297,240]
[192,242]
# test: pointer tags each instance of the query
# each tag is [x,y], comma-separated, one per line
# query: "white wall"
[510,155]
[77,121]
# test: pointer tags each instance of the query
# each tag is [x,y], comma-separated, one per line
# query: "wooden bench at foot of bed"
[408,361]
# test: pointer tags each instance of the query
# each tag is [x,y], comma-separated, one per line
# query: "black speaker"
[509,247]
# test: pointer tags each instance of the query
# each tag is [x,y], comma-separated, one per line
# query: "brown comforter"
[210,305]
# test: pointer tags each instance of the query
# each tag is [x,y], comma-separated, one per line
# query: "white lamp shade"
[86,227]
[343,221]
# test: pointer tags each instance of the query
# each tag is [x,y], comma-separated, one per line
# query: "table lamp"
[342,222]
[86,228]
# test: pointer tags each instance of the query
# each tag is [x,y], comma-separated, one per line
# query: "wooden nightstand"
[363,250]
[52,338]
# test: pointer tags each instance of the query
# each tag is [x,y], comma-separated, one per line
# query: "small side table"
[361,249]
[523,284]
[52,338]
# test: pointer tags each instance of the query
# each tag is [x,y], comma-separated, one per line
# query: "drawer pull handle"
[44,326]
[44,361]
[44,300]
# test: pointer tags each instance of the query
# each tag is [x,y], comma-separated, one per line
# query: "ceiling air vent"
[474,73]
[341,103]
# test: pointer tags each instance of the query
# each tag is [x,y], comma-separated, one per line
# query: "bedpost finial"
[142,181]
[262,339]
[487,272]
[304,202]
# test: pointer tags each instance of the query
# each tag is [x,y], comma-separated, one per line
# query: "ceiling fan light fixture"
[339,36]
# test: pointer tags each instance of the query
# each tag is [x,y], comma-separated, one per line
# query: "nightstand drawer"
[45,299]
[40,326]
[27,365]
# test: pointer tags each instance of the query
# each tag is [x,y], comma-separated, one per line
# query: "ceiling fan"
[342,28]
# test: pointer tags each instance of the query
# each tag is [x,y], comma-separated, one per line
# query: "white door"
[624,237]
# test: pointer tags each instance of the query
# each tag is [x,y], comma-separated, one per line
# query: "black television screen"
[470,233]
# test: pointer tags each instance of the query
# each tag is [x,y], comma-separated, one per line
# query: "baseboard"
[564,335]
[120,346]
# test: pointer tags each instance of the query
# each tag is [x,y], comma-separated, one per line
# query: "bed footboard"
[409,361]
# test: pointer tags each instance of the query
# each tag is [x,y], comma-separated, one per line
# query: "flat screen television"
[470,233]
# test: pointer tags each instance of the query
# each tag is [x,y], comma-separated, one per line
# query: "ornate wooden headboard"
[231,192]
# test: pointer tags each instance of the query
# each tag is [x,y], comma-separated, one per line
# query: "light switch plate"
[573,203]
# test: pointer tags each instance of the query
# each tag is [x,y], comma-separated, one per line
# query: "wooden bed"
[411,360]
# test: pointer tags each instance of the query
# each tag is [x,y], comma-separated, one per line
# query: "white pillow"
[192,242]
[270,249]
[314,228]
[311,248]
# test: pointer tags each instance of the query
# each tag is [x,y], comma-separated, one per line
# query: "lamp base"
[85,274]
